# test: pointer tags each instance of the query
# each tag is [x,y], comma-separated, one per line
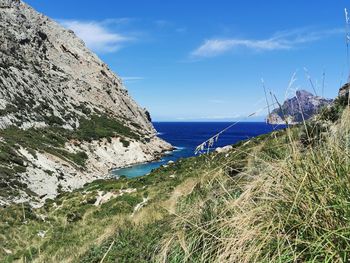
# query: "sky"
[189,60]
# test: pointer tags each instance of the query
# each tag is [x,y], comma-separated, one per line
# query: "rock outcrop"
[51,82]
[344,90]
[303,106]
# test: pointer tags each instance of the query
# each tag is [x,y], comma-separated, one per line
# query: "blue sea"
[186,136]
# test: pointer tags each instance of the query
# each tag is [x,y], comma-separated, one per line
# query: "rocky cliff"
[65,117]
[303,105]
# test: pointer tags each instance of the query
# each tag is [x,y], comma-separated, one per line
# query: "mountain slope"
[303,105]
[267,199]
[65,117]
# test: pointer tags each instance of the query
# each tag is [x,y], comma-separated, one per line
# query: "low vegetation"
[273,198]
[52,140]
[290,205]
[78,231]
[102,127]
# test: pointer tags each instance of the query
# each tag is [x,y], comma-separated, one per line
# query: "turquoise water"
[185,136]
[142,169]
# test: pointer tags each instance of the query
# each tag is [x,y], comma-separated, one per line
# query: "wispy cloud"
[132,79]
[169,26]
[98,36]
[279,41]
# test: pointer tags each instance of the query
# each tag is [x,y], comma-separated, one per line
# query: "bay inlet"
[186,136]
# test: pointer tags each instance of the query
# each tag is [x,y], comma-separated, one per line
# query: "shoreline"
[64,176]
[157,159]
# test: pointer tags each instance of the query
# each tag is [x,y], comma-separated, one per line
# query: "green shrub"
[102,127]
[73,217]
[125,142]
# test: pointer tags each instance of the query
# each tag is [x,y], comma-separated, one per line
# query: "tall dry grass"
[289,207]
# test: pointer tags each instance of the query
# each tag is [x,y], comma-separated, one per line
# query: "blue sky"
[203,60]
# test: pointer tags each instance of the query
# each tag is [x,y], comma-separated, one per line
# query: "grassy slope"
[78,230]
[292,203]
[281,197]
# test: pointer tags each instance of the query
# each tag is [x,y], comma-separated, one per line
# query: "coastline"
[143,168]
[64,176]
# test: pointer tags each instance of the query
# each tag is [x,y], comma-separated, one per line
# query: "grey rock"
[344,90]
[45,70]
[47,73]
[303,105]
[224,149]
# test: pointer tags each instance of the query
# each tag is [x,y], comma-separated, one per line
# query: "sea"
[186,136]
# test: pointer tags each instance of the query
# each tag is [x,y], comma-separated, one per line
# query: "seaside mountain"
[301,107]
[273,198]
[65,117]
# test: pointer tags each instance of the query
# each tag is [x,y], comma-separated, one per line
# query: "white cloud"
[280,41]
[96,35]
[131,79]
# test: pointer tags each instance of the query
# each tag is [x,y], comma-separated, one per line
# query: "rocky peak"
[303,94]
[303,105]
[48,75]
[65,117]
[344,90]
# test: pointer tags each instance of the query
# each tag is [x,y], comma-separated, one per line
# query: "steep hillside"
[65,117]
[301,107]
[273,198]
[126,217]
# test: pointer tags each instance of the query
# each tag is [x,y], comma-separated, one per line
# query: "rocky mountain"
[65,117]
[303,104]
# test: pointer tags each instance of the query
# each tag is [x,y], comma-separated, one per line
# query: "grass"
[291,204]
[126,245]
[273,198]
[77,231]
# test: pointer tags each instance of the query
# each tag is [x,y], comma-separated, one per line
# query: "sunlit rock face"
[301,107]
[49,78]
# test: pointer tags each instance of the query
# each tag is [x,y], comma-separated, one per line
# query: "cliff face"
[45,70]
[304,104]
[52,85]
